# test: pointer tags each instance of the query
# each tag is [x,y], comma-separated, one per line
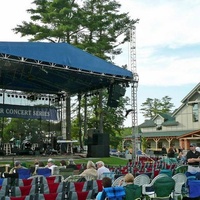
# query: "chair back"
[117,181]
[166,171]
[43,171]
[24,190]
[180,181]
[133,192]
[81,195]
[66,172]
[73,178]
[111,175]
[194,188]
[23,173]
[77,186]
[53,188]
[142,179]
[113,193]
[164,186]
[52,196]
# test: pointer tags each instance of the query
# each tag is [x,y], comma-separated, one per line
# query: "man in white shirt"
[51,165]
[101,169]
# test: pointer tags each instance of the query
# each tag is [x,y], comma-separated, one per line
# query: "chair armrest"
[144,187]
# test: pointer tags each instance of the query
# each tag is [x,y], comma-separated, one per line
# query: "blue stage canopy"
[53,67]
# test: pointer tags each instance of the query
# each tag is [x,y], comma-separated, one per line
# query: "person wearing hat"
[51,164]
[17,165]
[193,160]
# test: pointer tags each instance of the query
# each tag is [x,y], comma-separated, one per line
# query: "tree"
[151,107]
[95,26]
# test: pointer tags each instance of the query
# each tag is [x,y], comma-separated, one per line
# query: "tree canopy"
[151,107]
[96,26]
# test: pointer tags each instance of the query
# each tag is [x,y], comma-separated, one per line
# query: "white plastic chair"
[142,179]
[180,180]
[117,181]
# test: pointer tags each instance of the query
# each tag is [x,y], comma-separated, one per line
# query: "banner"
[28,112]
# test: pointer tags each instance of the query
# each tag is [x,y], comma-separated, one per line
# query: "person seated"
[90,170]
[132,191]
[71,164]
[17,165]
[101,169]
[37,164]
[106,182]
[63,164]
[51,164]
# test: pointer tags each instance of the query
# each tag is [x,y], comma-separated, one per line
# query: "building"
[180,128]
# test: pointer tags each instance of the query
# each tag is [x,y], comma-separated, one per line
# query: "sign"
[28,112]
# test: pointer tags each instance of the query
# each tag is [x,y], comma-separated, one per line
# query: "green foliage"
[21,128]
[144,144]
[113,117]
[151,107]
[96,26]
[112,161]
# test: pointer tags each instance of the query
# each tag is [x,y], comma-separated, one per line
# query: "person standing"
[193,160]
[101,169]
[164,150]
[171,152]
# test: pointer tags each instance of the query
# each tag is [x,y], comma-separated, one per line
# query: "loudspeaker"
[115,92]
[90,140]
[99,151]
[101,139]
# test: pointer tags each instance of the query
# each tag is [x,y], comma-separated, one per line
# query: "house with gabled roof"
[180,128]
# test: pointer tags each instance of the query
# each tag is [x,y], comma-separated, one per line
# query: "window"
[195,112]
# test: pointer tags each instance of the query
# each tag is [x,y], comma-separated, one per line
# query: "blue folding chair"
[46,172]
[23,173]
[113,193]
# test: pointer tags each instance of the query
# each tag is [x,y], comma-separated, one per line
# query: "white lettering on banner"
[1,110]
[18,112]
[41,113]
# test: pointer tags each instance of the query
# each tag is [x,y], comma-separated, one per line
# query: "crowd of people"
[132,191]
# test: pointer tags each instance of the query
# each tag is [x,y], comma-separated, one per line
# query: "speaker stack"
[98,145]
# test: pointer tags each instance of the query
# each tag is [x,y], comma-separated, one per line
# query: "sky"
[167,45]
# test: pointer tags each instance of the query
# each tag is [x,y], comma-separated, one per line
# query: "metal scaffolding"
[134,87]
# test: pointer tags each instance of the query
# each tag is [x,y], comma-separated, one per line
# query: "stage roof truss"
[26,73]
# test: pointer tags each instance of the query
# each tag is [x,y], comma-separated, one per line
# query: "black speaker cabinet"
[101,139]
[99,151]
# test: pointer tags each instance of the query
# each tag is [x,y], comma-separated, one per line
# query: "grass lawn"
[111,161]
